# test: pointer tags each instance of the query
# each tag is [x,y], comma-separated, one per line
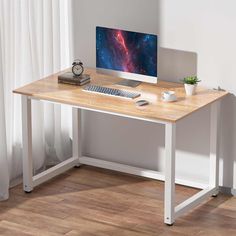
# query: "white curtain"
[35,41]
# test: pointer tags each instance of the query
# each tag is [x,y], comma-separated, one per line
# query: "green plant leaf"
[191,80]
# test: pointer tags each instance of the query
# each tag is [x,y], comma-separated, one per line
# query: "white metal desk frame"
[171,212]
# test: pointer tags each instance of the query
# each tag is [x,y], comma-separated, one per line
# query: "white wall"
[196,36]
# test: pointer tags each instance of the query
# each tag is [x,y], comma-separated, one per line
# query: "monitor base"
[129,83]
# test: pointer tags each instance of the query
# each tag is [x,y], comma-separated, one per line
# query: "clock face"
[77,70]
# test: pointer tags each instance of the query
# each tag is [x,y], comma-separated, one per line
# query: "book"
[74,83]
[70,78]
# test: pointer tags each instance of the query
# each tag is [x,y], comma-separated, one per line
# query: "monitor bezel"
[129,75]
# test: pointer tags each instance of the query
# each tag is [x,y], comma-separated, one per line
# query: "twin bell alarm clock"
[76,77]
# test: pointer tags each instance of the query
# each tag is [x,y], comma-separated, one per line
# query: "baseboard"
[228,191]
[233,192]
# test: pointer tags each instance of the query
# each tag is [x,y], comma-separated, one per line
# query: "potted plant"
[190,84]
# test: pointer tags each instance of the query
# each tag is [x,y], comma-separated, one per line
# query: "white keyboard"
[111,92]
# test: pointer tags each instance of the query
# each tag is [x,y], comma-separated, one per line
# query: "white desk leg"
[27,144]
[214,138]
[169,208]
[77,133]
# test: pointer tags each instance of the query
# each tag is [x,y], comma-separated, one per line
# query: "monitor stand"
[129,83]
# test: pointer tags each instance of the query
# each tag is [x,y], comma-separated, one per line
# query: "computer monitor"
[129,55]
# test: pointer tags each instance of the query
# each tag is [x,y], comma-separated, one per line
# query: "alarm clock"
[77,68]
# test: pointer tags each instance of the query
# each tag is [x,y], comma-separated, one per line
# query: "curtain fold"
[4,173]
[35,41]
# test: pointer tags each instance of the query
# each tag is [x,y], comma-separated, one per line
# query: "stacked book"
[70,78]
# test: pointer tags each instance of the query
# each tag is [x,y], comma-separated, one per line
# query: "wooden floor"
[91,201]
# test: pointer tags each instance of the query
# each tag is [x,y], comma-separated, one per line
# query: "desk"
[167,114]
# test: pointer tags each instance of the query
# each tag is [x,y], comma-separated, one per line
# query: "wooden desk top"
[49,89]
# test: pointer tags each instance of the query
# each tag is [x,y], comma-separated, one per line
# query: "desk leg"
[27,144]
[76,133]
[169,208]
[214,158]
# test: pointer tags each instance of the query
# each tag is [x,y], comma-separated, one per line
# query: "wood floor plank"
[21,229]
[95,202]
[37,221]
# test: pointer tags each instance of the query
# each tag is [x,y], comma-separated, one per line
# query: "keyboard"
[110,91]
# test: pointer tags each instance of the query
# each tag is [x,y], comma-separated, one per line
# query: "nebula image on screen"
[126,51]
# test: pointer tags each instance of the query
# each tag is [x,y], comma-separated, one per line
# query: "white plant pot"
[190,89]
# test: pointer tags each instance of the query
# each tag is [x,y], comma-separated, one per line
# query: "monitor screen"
[128,52]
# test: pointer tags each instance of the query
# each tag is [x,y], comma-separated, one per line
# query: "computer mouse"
[142,103]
